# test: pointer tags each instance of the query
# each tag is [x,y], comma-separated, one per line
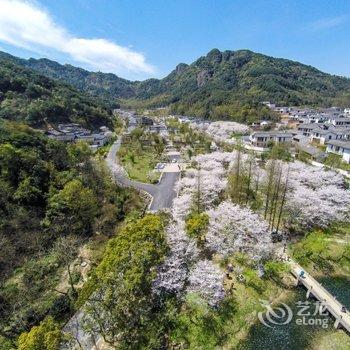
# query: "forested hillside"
[32,98]
[103,85]
[220,85]
[230,83]
[55,199]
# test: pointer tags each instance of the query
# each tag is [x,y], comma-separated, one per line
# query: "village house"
[309,150]
[265,139]
[74,132]
[322,133]
[339,121]
[157,128]
[282,110]
[261,124]
[144,121]
[341,148]
[183,119]
[269,104]
[307,129]
[321,136]
[313,118]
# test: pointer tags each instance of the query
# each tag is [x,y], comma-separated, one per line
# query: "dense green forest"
[232,84]
[102,85]
[55,200]
[32,98]
[220,85]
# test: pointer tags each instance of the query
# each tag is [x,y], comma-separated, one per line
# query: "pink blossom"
[233,228]
[206,279]
[173,273]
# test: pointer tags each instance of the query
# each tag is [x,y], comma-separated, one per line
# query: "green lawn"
[327,251]
[139,161]
[141,168]
[139,153]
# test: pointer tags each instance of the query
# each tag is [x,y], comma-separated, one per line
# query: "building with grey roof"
[264,139]
[341,148]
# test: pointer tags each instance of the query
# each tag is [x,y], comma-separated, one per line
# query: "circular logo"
[277,316]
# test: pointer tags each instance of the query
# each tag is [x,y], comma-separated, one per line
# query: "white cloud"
[24,24]
[326,23]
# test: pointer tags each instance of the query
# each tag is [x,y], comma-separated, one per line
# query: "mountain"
[33,98]
[106,86]
[228,84]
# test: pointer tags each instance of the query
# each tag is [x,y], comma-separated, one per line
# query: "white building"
[341,148]
[339,121]
[269,104]
[264,139]
[323,135]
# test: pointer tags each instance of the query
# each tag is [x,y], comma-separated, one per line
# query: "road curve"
[162,196]
[162,193]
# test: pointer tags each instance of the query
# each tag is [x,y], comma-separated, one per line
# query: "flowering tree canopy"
[181,206]
[221,130]
[172,274]
[317,196]
[206,279]
[318,207]
[233,228]
[313,177]
[210,179]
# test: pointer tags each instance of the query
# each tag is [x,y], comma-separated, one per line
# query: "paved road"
[162,193]
[165,192]
[162,196]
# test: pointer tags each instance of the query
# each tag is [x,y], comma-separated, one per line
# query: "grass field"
[141,167]
[139,155]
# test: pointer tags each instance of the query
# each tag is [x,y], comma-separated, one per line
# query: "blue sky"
[141,39]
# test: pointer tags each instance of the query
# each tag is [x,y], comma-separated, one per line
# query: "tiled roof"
[339,143]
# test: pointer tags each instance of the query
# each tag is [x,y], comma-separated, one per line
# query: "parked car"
[159,166]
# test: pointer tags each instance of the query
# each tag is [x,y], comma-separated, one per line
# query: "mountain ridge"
[221,84]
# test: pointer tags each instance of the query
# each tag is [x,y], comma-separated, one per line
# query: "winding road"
[162,193]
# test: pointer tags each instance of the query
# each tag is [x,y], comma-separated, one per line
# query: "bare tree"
[275,197]
[67,248]
[284,195]
[271,175]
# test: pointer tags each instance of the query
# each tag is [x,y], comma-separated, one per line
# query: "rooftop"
[272,133]
[339,143]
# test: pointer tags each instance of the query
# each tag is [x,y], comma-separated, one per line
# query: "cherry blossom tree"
[218,157]
[206,279]
[181,206]
[210,179]
[221,131]
[313,177]
[318,207]
[233,228]
[315,196]
[173,273]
